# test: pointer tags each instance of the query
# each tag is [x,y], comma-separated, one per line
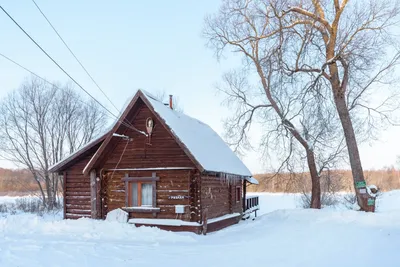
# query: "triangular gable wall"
[105,157]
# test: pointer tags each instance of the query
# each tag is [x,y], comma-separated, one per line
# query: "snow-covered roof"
[252,180]
[201,141]
[205,145]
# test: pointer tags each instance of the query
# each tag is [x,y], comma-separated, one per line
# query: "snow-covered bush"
[3,208]
[327,199]
[350,201]
[331,185]
[31,205]
[26,205]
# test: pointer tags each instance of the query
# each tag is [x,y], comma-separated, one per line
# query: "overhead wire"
[43,79]
[73,54]
[76,58]
[120,158]
[66,73]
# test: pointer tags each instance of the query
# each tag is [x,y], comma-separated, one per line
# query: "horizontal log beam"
[140,179]
[141,209]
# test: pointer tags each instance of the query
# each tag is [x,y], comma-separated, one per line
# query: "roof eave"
[252,180]
[109,135]
[60,165]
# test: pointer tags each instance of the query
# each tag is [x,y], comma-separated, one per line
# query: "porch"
[251,205]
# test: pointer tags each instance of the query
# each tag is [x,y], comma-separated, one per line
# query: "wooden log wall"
[195,198]
[172,183]
[218,196]
[77,191]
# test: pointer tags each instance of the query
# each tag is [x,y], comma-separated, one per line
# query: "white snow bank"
[389,202]
[273,201]
[117,215]
[84,230]
[282,237]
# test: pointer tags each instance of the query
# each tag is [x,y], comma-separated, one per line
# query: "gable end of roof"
[62,164]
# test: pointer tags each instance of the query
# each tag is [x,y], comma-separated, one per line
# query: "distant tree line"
[16,181]
[337,180]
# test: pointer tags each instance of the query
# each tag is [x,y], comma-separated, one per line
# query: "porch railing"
[252,205]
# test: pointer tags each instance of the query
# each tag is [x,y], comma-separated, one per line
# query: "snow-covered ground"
[282,236]
[8,199]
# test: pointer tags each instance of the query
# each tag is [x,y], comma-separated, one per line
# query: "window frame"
[139,195]
[140,180]
[238,194]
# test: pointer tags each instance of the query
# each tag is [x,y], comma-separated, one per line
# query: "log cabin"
[162,167]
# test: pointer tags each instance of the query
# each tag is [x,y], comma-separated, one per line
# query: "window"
[141,194]
[238,194]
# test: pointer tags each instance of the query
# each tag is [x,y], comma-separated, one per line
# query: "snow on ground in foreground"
[284,236]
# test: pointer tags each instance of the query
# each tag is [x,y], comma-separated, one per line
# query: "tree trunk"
[315,181]
[49,202]
[354,155]
[40,188]
[55,179]
[316,187]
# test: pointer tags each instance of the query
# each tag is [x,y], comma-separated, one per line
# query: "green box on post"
[371,202]
[361,184]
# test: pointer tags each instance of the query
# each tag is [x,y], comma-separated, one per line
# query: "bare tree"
[40,124]
[314,121]
[329,44]
[294,120]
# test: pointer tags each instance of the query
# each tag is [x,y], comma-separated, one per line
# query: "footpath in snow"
[283,236]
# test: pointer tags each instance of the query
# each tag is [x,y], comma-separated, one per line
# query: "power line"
[76,58]
[55,86]
[40,77]
[45,80]
[73,54]
[66,73]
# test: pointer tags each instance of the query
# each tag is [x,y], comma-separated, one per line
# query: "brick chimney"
[170,102]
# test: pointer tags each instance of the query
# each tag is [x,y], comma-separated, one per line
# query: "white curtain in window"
[134,194]
[147,195]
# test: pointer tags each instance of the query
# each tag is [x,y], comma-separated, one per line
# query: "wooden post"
[65,194]
[231,197]
[93,194]
[205,215]
[104,193]
[98,196]
[127,193]
[154,189]
[199,198]
[244,195]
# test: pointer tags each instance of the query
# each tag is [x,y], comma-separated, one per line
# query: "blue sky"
[154,45]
